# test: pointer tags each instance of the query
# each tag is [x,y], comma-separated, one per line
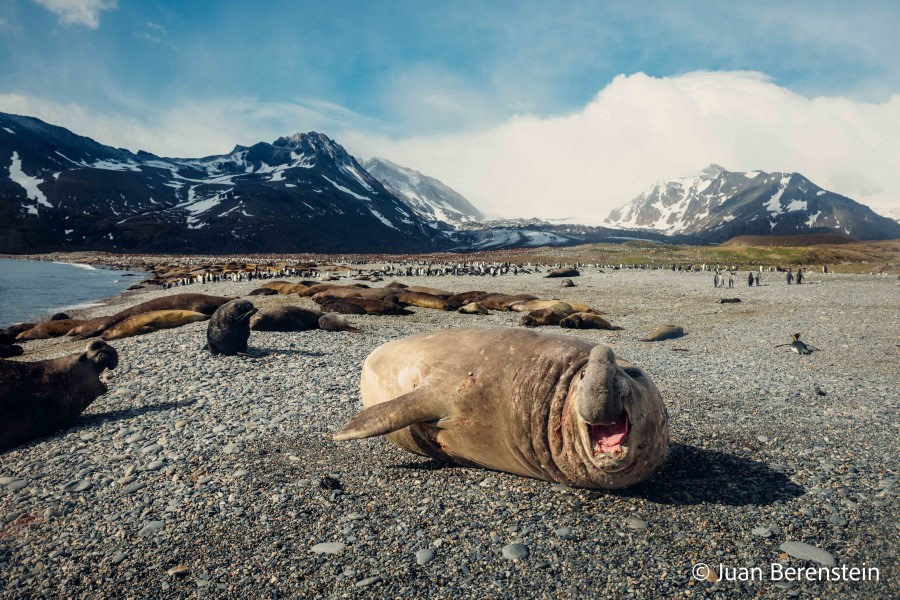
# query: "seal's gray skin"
[229,328]
[286,318]
[39,398]
[666,332]
[514,400]
[335,322]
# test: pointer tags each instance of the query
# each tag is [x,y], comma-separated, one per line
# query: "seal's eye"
[634,373]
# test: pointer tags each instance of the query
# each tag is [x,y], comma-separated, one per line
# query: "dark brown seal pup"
[39,398]
[370,306]
[549,406]
[584,320]
[60,317]
[49,329]
[200,303]
[286,318]
[11,350]
[229,328]
[566,283]
[8,335]
[340,305]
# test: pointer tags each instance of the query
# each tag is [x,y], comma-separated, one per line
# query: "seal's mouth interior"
[609,438]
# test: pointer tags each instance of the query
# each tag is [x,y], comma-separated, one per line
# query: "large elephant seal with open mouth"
[39,398]
[548,406]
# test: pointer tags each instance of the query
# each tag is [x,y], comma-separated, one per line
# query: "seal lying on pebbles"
[531,305]
[263,292]
[8,335]
[10,350]
[584,320]
[335,322]
[39,398]
[424,300]
[369,306]
[473,308]
[543,316]
[49,329]
[229,328]
[149,322]
[286,318]
[200,303]
[553,407]
[500,301]
[666,332]
[566,283]
[564,272]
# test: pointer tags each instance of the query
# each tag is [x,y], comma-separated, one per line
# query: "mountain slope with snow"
[718,204]
[303,193]
[428,197]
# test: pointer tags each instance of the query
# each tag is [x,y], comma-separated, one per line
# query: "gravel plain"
[218,477]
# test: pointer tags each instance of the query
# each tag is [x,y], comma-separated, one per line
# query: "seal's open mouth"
[609,438]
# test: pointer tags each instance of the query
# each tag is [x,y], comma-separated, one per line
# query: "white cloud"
[635,131]
[641,129]
[78,12]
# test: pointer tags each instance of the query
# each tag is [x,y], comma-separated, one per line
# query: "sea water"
[31,289]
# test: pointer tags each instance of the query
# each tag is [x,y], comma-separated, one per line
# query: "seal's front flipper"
[418,406]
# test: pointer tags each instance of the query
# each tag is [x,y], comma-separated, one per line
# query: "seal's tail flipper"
[417,406]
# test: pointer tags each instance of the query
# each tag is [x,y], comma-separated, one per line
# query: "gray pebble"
[636,523]
[807,552]
[329,548]
[152,527]
[515,551]
[425,556]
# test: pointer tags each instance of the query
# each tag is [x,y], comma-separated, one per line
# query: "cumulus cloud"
[78,12]
[641,129]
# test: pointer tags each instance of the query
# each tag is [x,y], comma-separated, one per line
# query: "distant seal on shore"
[548,406]
[532,305]
[229,328]
[49,329]
[40,398]
[564,272]
[60,316]
[500,301]
[423,300]
[464,298]
[335,322]
[421,289]
[200,303]
[263,292]
[149,322]
[666,332]
[339,305]
[369,306]
[473,308]
[543,316]
[585,320]
[8,335]
[286,318]
[566,283]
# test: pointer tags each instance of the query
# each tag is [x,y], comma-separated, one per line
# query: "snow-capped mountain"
[428,197]
[718,204]
[302,193]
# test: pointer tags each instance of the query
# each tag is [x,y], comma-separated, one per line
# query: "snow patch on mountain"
[28,183]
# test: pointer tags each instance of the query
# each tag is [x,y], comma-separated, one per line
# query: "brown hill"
[811,239]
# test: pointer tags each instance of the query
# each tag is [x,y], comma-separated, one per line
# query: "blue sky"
[189,78]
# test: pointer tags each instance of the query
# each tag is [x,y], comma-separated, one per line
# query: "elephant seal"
[464,298]
[286,318]
[263,292]
[396,285]
[500,301]
[370,306]
[566,283]
[354,292]
[201,303]
[473,308]
[49,329]
[553,407]
[584,320]
[666,332]
[229,328]
[343,307]
[728,300]
[8,335]
[423,300]
[11,350]
[532,305]
[335,322]
[60,316]
[582,307]
[149,322]
[40,398]
[543,316]
[421,289]
[564,272]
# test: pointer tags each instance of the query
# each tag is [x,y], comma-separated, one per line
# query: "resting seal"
[49,329]
[149,322]
[547,406]
[229,328]
[200,303]
[263,292]
[543,316]
[286,318]
[335,322]
[10,350]
[39,398]
[473,308]
[424,300]
[666,332]
[532,305]
[564,272]
[585,320]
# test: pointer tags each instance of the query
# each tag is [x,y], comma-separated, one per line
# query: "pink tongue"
[610,437]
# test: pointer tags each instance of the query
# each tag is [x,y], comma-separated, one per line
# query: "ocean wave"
[79,265]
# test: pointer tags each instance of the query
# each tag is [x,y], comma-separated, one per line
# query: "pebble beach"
[217,476]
